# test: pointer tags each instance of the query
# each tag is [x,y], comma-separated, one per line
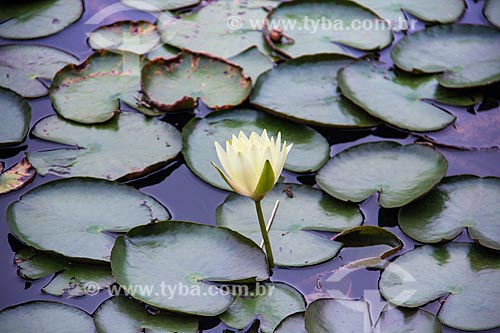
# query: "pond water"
[188,198]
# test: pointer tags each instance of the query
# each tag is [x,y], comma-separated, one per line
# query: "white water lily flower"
[252,165]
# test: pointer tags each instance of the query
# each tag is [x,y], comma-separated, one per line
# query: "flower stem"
[265,234]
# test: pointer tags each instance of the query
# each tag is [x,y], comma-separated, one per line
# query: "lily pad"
[399,173]
[163,51]
[310,149]
[337,315]
[17,177]
[328,28]
[224,28]
[16,118]
[34,19]
[467,276]
[270,303]
[470,131]
[253,62]
[448,11]
[302,210]
[305,90]
[24,66]
[399,100]
[458,202]
[293,323]
[128,146]
[91,92]
[461,55]
[72,278]
[45,317]
[492,12]
[177,83]
[123,315]
[65,216]
[159,5]
[403,320]
[187,259]
[137,37]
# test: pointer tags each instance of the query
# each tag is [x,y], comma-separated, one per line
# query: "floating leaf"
[466,275]
[45,317]
[177,83]
[323,26]
[123,315]
[34,19]
[163,51]
[91,92]
[458,202]
[137,37]
[128,146]
[402,320]
[65,216]
[305,89]
[399,173]
[24,66]
[224,28]
[253,62]
[294,323]
[73,278]
[399,100]
[310,150]
[462,55]
[16,118]
[492,12]
[323,315]
[159,5]
[392,10]
[190,258]
[17,177]
[470,131]
[270,303]
[302,210]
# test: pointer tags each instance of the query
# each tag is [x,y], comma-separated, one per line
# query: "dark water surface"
[188,198]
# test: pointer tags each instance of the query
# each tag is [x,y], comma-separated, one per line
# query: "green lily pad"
[215,29]
[163,51]
[34,19]
[123,315]
[45,317]
[253,62]
[128,146]
[337,315]
[492,12]
[137,37]
[399,100]
[177,83]
[293,323]
[305,90]
[91,92]
[310,149]
[470,131]
[16,118]
[16,177]
[187,259]
[65,216]
[466,275]
[159,5]
[23,67]
[448,11]
[328,28]
[399,173]
[270,303]
[461,55]
[403,320]
[458,202]
[72,278]
[302,210]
